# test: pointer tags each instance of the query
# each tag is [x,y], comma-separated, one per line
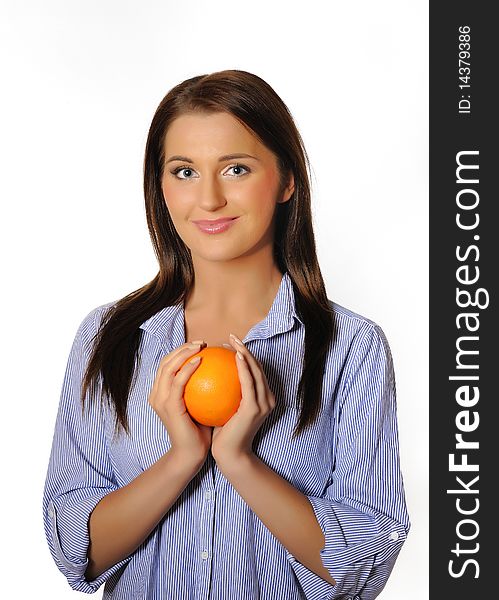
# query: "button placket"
[206,529]
[207,523]
[207,519]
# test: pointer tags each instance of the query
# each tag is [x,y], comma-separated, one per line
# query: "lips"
[212,223]
[215,225]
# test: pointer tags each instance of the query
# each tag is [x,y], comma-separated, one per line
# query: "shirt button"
[394,536]
[50,513]
[207,495]
[204,554]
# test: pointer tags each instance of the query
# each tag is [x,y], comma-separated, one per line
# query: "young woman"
[299,494]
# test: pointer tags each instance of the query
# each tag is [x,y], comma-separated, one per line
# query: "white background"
[81,81]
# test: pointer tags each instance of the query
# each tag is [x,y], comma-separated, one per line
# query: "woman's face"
[206,177]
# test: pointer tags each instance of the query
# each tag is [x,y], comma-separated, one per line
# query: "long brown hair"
[254,103]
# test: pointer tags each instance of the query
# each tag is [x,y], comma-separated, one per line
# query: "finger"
[171,387]
[169,366]
[260,382]
[182,350]
[173,361]
[249,393]
[181,377]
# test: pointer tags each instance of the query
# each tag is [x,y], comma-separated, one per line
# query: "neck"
[231,288]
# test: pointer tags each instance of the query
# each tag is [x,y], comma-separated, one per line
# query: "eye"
[188,171]
[238,168]
[179,169]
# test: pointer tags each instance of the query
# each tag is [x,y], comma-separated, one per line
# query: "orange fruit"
[213,392]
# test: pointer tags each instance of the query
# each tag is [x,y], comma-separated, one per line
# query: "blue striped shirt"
[210,545]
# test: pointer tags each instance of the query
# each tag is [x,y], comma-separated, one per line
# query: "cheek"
[168,192]
[264,191]
[172,201]
[179,196]
[164,189]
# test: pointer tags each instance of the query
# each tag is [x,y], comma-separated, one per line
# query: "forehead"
[211,133]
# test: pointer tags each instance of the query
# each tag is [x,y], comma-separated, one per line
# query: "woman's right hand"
[188,438]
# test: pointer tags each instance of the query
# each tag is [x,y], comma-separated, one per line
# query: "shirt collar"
[168,324]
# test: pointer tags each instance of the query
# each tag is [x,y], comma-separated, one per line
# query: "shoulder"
[356,335]
[90,323]
[363,357]
[350,324]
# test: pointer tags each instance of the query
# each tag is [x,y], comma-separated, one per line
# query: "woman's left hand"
[235,438]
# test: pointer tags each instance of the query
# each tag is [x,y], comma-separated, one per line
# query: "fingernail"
[236,339]
[239,355]
[228,346]
[195,360]
[197,342]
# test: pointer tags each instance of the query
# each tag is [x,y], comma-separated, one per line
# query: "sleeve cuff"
[355,543]
[69,540]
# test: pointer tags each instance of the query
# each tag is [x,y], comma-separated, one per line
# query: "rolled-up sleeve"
[79,473]
[363,512]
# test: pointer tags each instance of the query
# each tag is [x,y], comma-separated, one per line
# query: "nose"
[211,194]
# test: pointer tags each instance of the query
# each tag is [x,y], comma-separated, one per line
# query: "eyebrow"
[221,159]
